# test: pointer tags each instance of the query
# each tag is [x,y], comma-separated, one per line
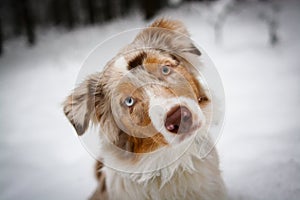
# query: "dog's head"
[148,97]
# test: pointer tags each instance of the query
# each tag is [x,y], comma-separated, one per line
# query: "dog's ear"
[192,49]
[79,107]
[177,40]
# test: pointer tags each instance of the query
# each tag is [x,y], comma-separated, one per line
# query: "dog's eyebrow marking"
[137,60]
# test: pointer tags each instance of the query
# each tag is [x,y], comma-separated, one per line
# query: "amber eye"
[165,70]
[129,101]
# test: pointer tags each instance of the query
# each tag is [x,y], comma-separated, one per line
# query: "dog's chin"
[191,133]
[183,137]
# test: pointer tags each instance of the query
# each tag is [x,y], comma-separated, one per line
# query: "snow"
[41,157]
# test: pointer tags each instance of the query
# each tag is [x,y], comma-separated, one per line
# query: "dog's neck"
[164,163]
[185,177]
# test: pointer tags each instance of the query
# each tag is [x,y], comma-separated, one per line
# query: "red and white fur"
[153,111]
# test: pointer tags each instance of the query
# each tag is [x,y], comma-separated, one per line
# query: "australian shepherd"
[153,112]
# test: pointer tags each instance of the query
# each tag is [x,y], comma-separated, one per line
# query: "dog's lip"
[194,128]
[192,132]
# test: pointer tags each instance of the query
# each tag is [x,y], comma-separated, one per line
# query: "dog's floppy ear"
[182,41]
[79,107]
[191,49]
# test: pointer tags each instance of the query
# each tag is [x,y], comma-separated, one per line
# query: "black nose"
[179,120]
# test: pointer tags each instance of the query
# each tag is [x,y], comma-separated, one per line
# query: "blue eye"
[129,101]
[165,70]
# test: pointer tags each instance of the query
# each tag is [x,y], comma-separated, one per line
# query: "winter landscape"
[42,158]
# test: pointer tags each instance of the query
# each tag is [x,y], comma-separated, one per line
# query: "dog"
[153,111]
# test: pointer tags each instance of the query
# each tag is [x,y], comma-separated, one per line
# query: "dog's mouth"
[179,120]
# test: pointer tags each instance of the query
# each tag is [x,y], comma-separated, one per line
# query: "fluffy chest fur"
[201,182]
[189,177]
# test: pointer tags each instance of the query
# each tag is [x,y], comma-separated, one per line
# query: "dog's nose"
[179,120]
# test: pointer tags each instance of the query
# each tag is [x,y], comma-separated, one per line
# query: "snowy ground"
[41,158]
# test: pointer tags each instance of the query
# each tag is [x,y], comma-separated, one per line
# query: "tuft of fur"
[173,25]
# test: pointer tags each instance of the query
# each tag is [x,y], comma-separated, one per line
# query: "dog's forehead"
[130,60]
[131,66]
[128,79]
[138,69]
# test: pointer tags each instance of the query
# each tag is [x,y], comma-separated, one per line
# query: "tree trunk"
[151,7]
[125,7]
[28,21]
[1,37]
[16,17]
[90,5]
[69,13]
[107,10]
[56,11]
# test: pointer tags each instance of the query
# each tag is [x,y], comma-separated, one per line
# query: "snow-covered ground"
[41,157]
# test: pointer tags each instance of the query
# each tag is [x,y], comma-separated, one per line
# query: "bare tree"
[69,13]
[266,9]
[107,10]
[56,13]
[221,10]
[16,17]
[1,36]
[28,21]
[90,8]
[151,7]
[273,24]
[125,6]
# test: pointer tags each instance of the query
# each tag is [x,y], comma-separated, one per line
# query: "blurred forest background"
[24,17]
[255,47]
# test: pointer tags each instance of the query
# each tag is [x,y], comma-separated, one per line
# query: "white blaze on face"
[159,107]
[121,64]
